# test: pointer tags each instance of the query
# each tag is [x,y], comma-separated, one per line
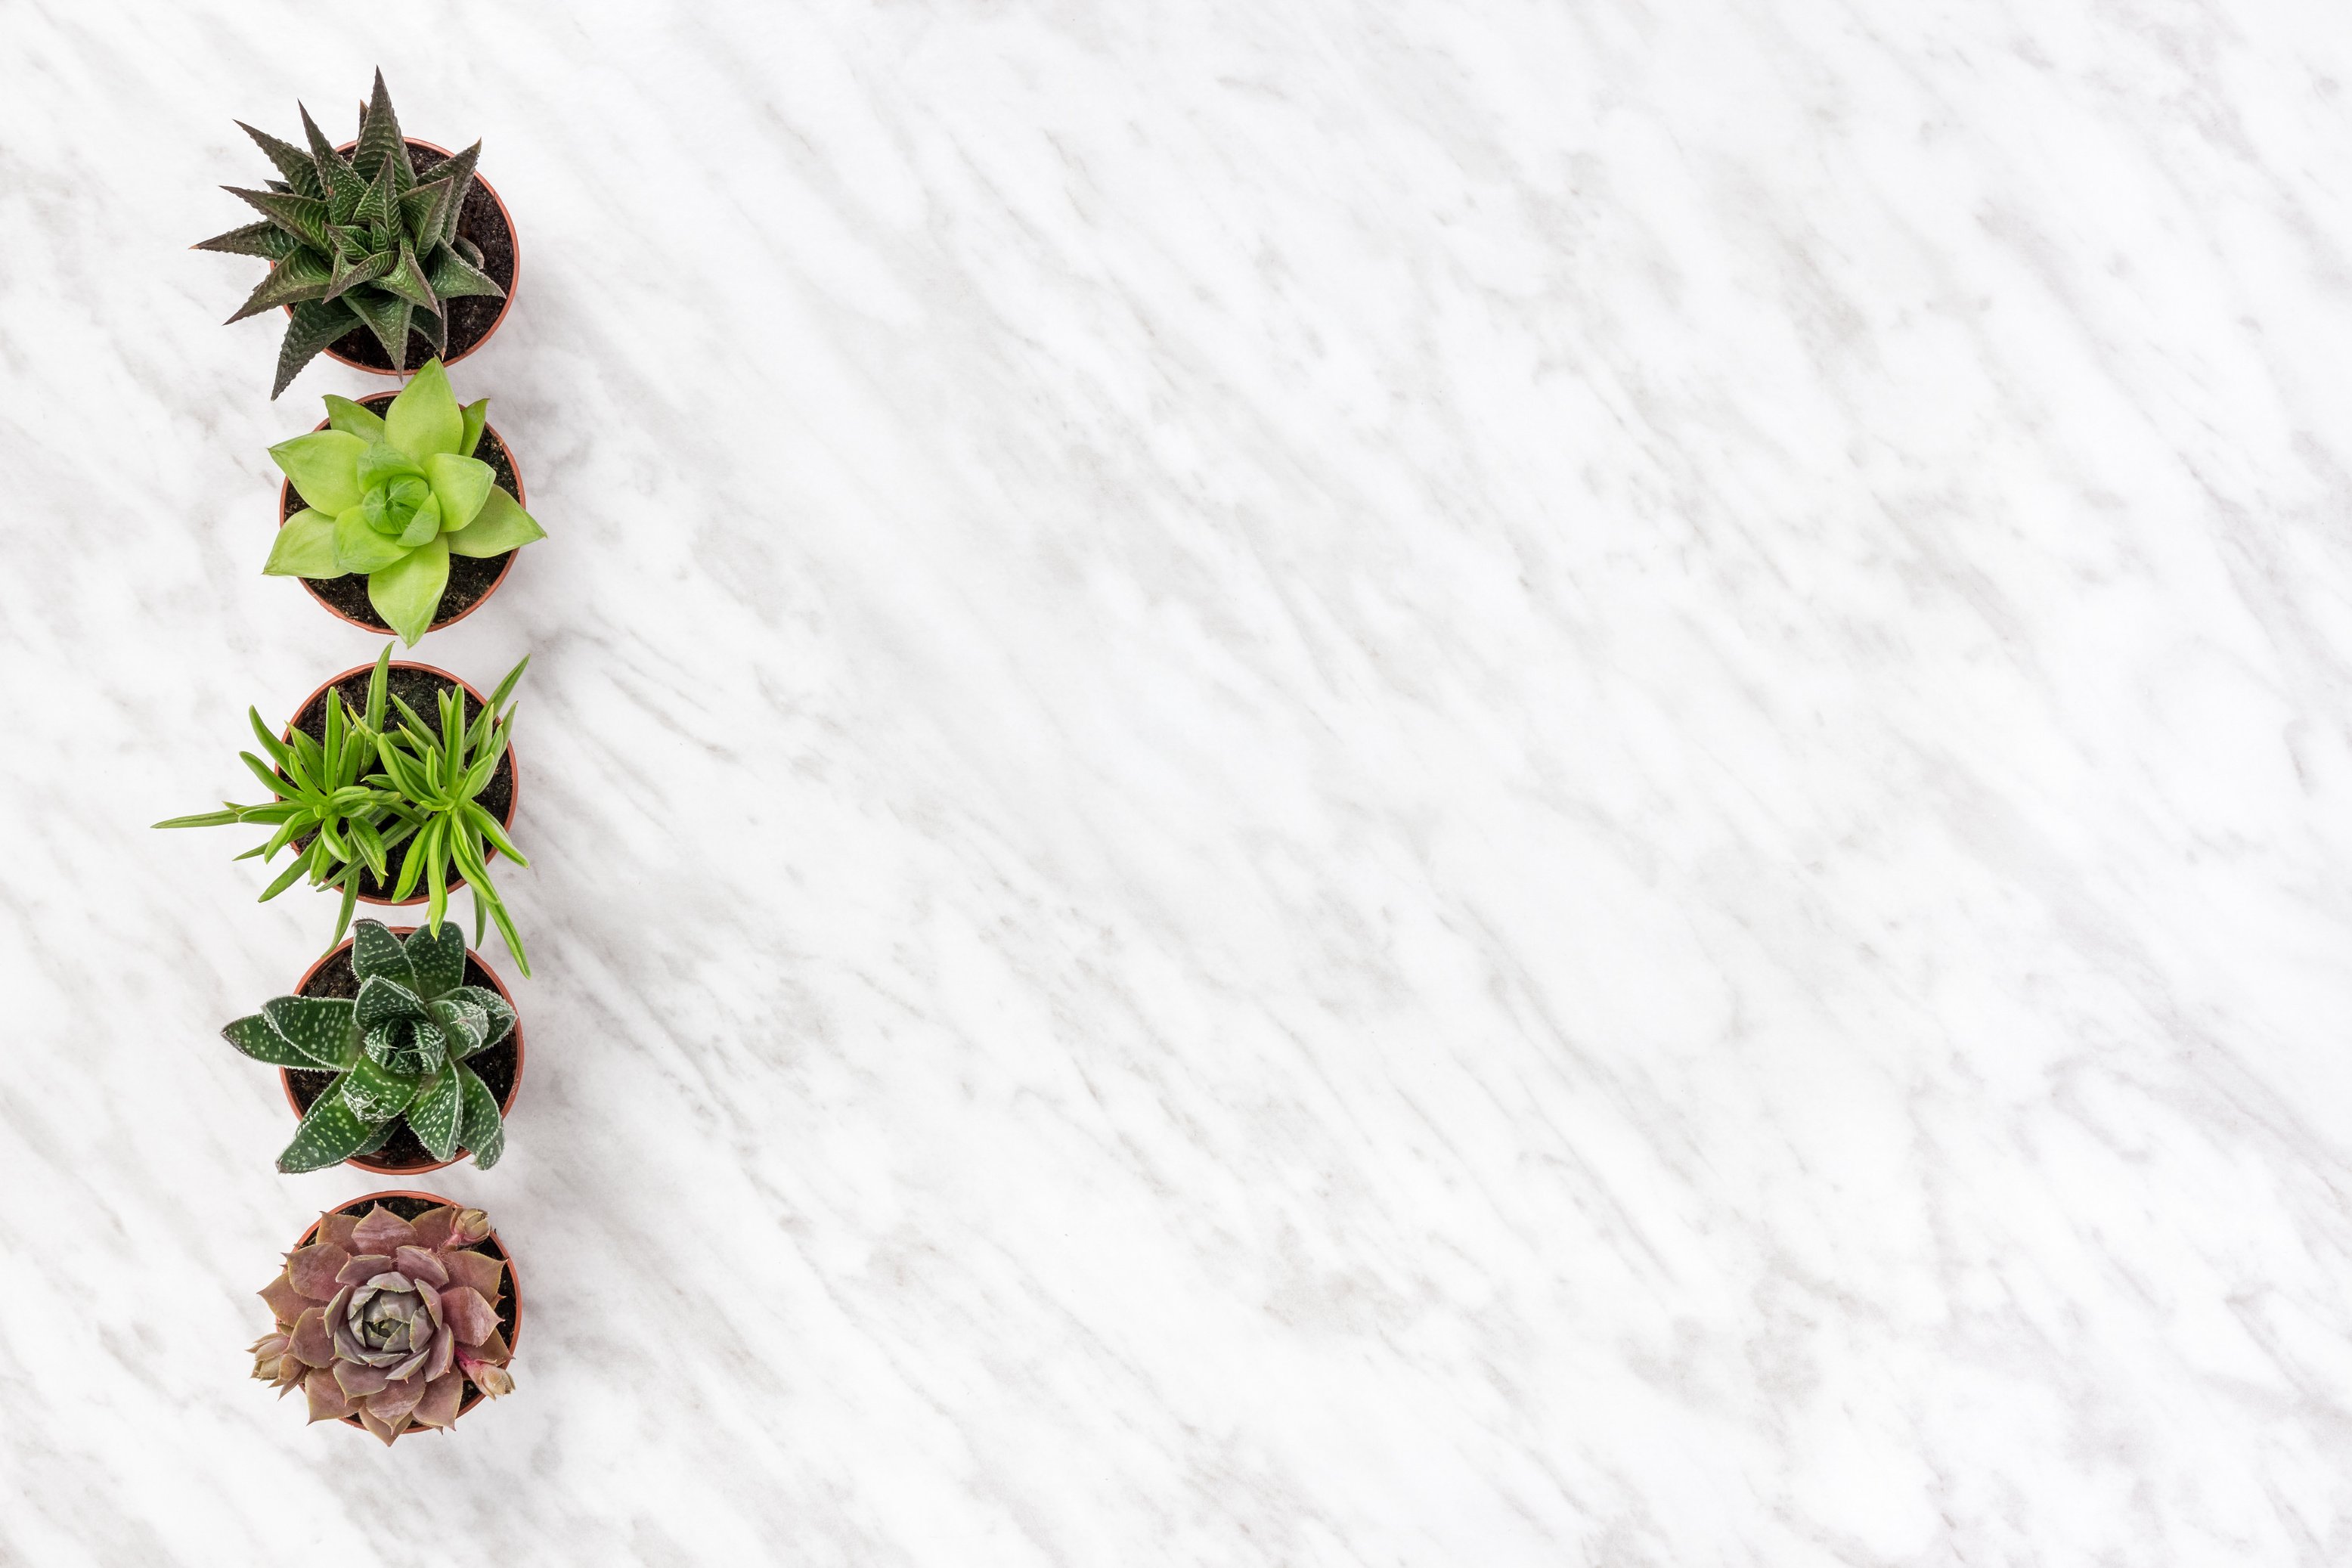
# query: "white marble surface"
[1452,783]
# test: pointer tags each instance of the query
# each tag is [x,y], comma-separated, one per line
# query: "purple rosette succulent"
[388,1319]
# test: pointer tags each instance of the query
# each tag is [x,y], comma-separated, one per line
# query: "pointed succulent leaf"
[421,1262]
[398,1397]
[425,419]
[407,281]
[304,217]
[264,239]
[384,461]
[340,185]
[326,1396]
[501,1014]
[421,214]
[465,1025]
[302,275]
[382,1231]
[501,525]
[480,1126]
[315,324]
[387,317]
[376,1140]
[470,1317]
[433,1117]
[301,174]
[381,997]
[330,1132]
[310,1343]
[321,1027]
[407,593]
[376,951]
[437,953]
[357,1379]
[375,211]
[312,1268]
[381,142]
[463,484]
[478,418]
[373,1094]
[460,171]
[305,547]
[431,1230]
[325,467]
[481,1271]
[452,277]
[423,523]
[442,1396]
[286,1303]
[356,419]
[256,1039]
[354,268]
[357,547]
[432,327]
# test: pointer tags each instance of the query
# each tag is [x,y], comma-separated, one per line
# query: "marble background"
[1463,782]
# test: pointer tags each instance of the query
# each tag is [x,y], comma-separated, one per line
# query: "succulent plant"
[424,793]
[394,496]
[338,821]
[357,241]
[398,1050]
[387,1318]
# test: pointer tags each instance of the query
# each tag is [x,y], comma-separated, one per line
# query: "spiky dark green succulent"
[357,241]
[398,1051]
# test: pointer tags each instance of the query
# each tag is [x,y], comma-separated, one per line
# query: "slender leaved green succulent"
[399,1050]
[340,821]
[394,496]
[388,1319]
[422,800]
[357,240]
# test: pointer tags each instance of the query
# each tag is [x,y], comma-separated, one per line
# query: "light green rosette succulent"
[393,496]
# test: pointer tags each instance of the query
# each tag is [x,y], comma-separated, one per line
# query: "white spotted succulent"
[398,1050]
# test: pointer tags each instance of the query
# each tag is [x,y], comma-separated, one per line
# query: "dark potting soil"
[404,1152]
[470,580]
[509,1302]
[421,689]
[469,319]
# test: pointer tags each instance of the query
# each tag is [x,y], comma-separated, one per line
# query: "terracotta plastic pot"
[359,349]
[408,1204]
[376,1164]
[510,766]
[368,620]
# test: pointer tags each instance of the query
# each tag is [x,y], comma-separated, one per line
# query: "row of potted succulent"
[395,783]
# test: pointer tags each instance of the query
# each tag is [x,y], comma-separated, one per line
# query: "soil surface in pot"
[470,581]
[471,318]
[336,977]
[421,691]
[507,1304]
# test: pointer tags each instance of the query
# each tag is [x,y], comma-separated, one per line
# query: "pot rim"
[286,492]
[514,239]
[368,1163]
[514,796]
[474,1395]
